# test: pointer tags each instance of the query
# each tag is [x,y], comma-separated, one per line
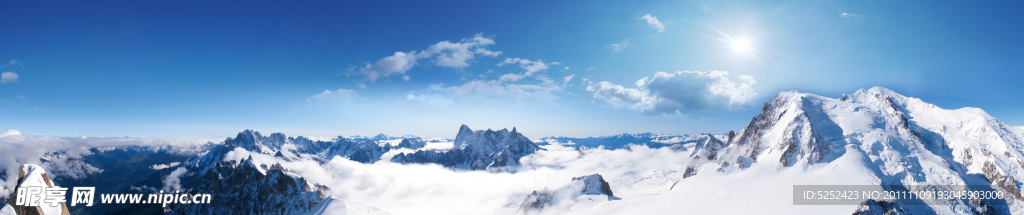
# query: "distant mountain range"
[898,140]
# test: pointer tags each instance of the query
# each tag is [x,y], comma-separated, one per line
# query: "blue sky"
[199,68]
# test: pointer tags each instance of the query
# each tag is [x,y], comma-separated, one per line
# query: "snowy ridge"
[240,187]
[477,150]
[567,195]
[906,141]
[31,175]
[368,150]
[624,140]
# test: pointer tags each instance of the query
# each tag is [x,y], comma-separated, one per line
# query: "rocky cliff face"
[477,150]
[594,185]
[583,185]
[247,188]
[292,148]
[30,175]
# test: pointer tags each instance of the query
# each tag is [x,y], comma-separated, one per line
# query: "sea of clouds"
[61,153]
[645,180]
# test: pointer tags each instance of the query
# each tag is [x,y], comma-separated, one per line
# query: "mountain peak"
[477,150]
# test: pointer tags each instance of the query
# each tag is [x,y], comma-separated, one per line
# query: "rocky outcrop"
[246,188]
[874,207]
[477,150]
[30,175]
[583,185]
[594,185]
[705,151]
[366,151]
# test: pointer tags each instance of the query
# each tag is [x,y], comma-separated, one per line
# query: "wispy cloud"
[10,77]
[531,67]
[653,21]
[173,180]
[848,15]
[337,97]
[415,188]
[498,91]
[17,149]
[13,63]
[448,54]
[436,101]
[679,92]
[619,46]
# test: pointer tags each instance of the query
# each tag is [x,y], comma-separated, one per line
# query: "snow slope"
[335,206]
[904,141]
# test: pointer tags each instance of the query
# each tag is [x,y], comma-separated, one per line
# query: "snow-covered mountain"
[30,175]
[624,140]
[871,137]
[566,195]
[905,141]
[368,150]
[248,188]
[477,150]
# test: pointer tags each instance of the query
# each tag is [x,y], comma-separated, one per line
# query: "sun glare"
[741,45]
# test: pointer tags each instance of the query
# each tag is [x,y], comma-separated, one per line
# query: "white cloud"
[510,77]
[653,21]
[445,53]
[173,180]
[498,91]
[9,77]
[675,93]
[164,166]
[567,79]
[10,132]
[531,67]
[31,149]
[13,63]
[619,46]
[567,68]
[436,101]
[340,96]
[415,188]
[618,96]
[528,65]
[848,15]
[457,55]
[591,69]
[394,64]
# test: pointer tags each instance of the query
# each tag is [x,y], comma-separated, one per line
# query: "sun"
[741,45]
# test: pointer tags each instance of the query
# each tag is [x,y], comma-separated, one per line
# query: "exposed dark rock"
[246,188]
[873,207]
[477,150]
[594,184]
[537,200]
